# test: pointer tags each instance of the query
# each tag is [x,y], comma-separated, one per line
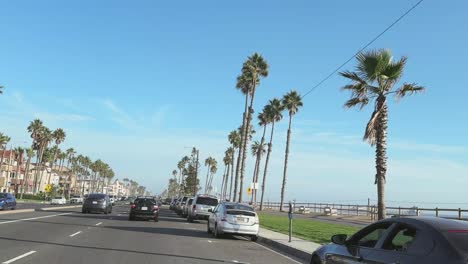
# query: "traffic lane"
[171,240]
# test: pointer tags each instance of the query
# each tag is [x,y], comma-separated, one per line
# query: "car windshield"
[96,196]
[207,201]
[239,207]
[3,195]
[144,201]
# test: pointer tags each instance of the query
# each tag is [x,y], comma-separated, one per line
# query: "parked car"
[112,199]
[233,218]
[97,202]
[180,204]
[7,201]
[76,200]
[58,200]
[172,205]
[144,208]
[186,206]
[400,240]
[201,206]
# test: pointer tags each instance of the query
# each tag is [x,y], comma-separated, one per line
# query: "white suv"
[201,206]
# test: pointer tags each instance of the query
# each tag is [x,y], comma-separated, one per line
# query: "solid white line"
[19,257]
[33,218]
[99,223]
[74,234]
[293,260]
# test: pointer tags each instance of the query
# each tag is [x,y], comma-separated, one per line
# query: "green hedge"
[39,196]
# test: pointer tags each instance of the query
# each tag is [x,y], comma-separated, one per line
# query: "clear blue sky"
[133,83]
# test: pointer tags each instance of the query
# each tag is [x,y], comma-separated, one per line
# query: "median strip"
[19,257]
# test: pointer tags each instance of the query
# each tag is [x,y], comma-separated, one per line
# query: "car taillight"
[257,221]
[132,206]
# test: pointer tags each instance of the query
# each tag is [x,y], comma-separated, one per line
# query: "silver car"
[186,206]
[180,205]
[201,205]
[233,218]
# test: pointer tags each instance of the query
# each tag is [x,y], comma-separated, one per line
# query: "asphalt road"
[67,236]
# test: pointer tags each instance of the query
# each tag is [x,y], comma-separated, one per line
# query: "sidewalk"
[299,248]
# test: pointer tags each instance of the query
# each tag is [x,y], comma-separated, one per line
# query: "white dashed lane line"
[18,257]
[99,223]
[74,234]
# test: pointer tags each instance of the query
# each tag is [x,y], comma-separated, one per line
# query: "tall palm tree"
[29,154]
[374,78]
[69,155]
[4,139]
[253,69]
[208,163]
[258,149]
[181,165]
[291,102]
[58,136]
[273,114]
[43,140]
[213,170]
[35,128]
[262,122]
[234,139]
[19,151]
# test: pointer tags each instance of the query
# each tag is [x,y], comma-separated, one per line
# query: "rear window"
[144,201]
[207,201]
[96,196]
[459,239]
[239,207]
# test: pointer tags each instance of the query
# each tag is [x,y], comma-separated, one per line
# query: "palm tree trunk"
[242,136]
[246,139]
[253,176]
[206,180]
[286,155]
[381,157]
[259,158]
[222,182]
[226,181]
[270,145]
[70,173]
[1,162]
[18,167]
[26,173]
[232,173]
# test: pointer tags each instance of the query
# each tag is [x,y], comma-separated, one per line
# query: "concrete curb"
[58,208]
[17,211]
[302,255]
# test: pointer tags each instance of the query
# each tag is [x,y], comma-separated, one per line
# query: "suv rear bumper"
[145,214]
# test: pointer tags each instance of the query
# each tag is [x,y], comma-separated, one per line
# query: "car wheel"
[208,228]
[315,260]
[131,218]
[253,238]
[216,232]
[83,211]
[106,212]
[156,219]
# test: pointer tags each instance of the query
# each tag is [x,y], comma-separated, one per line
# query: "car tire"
[156,219]
[131,218]
[83,211]
[253,238]
[315,260]
[208,227]
[189,219]
[216,232]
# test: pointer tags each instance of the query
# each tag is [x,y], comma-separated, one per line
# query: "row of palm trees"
[374,79]
[50,158]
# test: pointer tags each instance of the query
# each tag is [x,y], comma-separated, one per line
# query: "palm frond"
[371,129]
[357,101]
[408,88]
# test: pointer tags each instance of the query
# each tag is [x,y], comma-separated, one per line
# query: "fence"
[371,210]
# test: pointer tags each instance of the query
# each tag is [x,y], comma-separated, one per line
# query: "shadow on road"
[162,230]
[116,250]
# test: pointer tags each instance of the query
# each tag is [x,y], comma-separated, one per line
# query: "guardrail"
[371,210]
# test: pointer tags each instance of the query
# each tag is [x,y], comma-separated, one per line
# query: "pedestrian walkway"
[296,247]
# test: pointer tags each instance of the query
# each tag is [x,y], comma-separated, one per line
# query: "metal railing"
[371,210]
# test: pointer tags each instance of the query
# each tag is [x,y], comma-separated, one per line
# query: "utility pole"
[195,187]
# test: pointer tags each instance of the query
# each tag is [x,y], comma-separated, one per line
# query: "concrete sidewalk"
[299,248]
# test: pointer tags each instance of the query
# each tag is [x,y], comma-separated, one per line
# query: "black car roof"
[441,224]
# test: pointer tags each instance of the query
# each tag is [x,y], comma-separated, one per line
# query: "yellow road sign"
[249,191]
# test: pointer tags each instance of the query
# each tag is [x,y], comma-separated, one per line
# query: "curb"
[58,208]
[302,255]
[17,211]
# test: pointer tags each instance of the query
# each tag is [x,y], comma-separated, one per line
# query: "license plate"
[94,202]
[144,208]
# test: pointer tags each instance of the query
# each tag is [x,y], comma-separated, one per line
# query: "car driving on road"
[144,208]
[201,205]
[97,202]
[76,200]
[400,240]
[7,201]
[58,200]
[233,218]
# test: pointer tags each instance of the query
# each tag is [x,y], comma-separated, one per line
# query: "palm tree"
[208,163]
[258,149]
[58,136]
[19,151]
[374,79]
[213,170]
[234,139]
[291,102]
[262,122]
[29,154]
[273,114]
[253,69]
[181,165]
[69,155]
[4,139]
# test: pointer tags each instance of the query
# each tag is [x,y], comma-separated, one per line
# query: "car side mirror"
[339,239]
[210,210]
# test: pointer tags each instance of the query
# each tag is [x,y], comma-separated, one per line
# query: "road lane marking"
[209,241]
[269,249]
[74,234]
[119,214]
[99,223]
[19,257]
[33,218]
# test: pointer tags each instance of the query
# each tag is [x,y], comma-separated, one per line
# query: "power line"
[363,48]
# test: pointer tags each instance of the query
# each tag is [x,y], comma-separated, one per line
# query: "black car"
[7,201]
[400,240]
[144,208]
[97,202]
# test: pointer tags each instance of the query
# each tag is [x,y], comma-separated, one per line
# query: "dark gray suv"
[97,202]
